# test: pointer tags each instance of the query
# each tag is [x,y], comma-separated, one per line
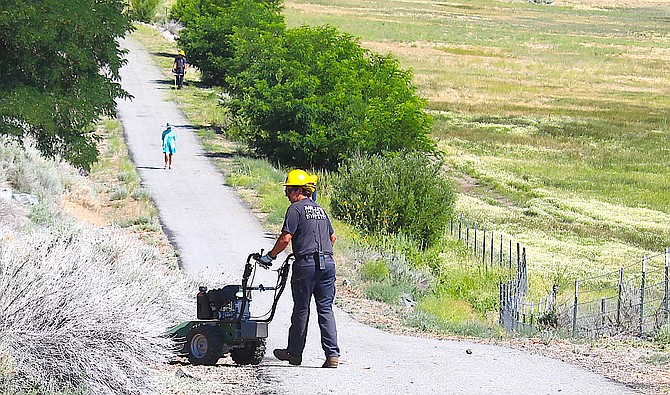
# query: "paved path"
[214,232]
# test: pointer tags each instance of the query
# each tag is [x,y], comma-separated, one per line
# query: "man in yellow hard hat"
[313,180]
[179,67]
[309,231]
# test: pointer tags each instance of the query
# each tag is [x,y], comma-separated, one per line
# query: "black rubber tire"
[252,353]
[204,345]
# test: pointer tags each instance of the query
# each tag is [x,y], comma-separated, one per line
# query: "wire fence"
[633,300]
[491,248]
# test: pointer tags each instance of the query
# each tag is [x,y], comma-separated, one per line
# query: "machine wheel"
[251,354]
[204,345]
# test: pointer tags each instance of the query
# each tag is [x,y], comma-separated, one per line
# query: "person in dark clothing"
[309,231]
[179,67]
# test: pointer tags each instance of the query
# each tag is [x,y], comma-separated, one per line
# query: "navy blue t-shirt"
[180,64]
[310,226]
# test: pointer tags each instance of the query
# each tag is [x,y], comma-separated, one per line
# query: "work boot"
[331,362]
[283,355]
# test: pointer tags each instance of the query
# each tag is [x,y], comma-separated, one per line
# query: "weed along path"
[214,232]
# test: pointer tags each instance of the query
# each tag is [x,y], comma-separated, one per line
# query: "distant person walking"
[169,145]
[179,67]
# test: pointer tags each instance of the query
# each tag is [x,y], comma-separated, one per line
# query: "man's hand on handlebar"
[264,261]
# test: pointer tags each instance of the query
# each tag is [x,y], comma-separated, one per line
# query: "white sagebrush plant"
[84,310]
[12,216]
[28,171]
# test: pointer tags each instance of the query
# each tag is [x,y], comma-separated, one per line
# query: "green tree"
[185,11]
[213,27]
[58,72]
[143,10]
[316,97]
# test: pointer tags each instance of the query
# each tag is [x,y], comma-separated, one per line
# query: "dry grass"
[84,309]
[553,117]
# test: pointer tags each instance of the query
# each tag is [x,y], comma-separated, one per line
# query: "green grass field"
[554,118]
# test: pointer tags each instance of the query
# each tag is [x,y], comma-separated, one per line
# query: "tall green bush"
[316,97]
[143,10]
[211,29]
[401,194]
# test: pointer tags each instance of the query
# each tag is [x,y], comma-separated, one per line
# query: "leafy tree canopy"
[60,66]
[317,97]
[214,26]
[312,96]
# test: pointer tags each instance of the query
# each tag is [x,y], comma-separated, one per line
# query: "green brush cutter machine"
[224,324]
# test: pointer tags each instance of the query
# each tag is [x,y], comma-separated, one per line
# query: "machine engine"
[223,304]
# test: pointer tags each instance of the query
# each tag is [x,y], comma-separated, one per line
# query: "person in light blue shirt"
[169,139]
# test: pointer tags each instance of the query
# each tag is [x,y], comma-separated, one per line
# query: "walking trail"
[214,232]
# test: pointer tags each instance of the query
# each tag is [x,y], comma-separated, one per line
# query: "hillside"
[553,118]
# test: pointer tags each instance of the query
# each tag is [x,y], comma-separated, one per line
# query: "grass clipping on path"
[82,310]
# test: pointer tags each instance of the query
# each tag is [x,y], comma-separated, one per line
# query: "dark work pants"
[180,79]
[308,280]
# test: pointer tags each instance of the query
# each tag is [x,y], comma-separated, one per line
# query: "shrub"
[425,322]
[316,97]
[374,270]
[118,192]
[385,291]
[12,216]
[212,28]
[83,311]
[143,10]
[401,194]
[662,336]
[28,171]
[141,194]
[389,277]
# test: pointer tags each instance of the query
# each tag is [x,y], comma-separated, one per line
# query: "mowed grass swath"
[553,117]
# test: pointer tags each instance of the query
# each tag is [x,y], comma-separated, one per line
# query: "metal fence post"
[525,271]
[484,247]
[501,250]
[532,314]
[514,296]
[602,316]
[667,289]
[619,298]
[510,254]
[491,249]
[642,287]
[460,224]
[574,309]
[474,245]
[502,303]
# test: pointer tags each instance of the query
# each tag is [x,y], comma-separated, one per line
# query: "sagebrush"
[83,310]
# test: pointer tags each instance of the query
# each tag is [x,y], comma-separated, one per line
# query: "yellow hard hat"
[182,53]
[300,178]
[297,178]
